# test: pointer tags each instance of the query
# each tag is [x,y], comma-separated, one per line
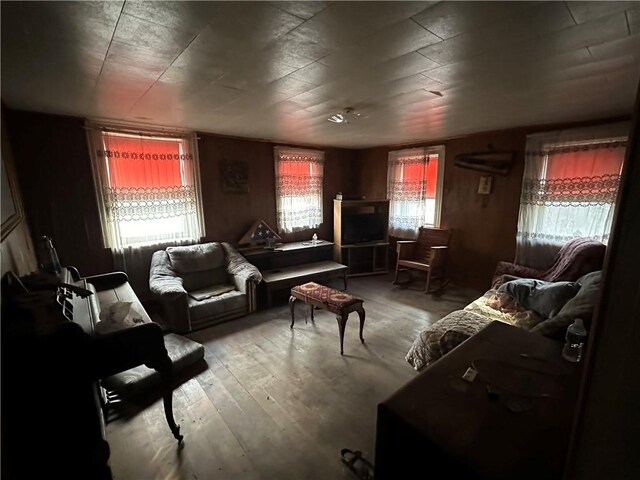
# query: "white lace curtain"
[569,189]
[411,190]
[299,174]
[147,187]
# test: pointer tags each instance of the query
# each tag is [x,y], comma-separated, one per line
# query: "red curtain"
[592,163]
[139,162]
[416,172]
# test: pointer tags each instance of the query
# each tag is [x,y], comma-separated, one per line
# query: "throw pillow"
[580,306]
[544,298]
[196,258]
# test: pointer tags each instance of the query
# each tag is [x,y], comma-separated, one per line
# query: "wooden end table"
[339,303]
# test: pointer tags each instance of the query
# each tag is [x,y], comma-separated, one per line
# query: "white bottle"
[314,239]
[575,338]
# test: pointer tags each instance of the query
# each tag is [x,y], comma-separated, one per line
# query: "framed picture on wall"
[235,176]
[9,200]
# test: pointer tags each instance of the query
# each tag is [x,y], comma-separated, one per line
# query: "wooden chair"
[427,254]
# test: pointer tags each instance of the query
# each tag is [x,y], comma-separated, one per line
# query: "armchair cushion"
[217,306]
[200,265]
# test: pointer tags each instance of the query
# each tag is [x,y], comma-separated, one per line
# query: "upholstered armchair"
[201,285]
[427,254]
[576,258]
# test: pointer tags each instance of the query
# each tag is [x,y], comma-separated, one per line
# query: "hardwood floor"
[276,403]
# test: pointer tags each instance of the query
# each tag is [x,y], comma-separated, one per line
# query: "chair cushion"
[182,351]
[200,265]
[216,306]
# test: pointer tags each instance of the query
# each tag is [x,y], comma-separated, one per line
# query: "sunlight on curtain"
[299,177]
[148,188]
[411,188]
[569,189]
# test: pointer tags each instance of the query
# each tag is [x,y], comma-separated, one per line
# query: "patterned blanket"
[447,333]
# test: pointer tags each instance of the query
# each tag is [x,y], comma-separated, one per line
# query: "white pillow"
[117,316]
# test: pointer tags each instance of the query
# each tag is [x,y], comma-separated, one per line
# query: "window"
[147,187]
[298,188]
[569,189]
[414,187]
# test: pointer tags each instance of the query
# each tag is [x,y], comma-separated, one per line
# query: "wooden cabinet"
[361,236]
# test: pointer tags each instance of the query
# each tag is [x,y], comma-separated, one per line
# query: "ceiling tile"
[139,55]
[392,41]
[258,23]
[164,40]
[343,23]
[633,19]
[622,46]
[586,11]
[314,73]
[449,19]
[304,10]
[189,17]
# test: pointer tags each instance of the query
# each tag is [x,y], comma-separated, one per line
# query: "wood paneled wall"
[483,226]
[54,170]
[228,216]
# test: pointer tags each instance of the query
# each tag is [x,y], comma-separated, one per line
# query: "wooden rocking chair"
[427,254]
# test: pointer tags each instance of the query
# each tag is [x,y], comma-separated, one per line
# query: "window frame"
[102,177]
[320,154]
[438,150]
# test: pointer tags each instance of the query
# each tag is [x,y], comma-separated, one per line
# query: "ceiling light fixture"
[346,116]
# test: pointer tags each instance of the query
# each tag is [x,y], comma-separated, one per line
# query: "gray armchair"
[201,285]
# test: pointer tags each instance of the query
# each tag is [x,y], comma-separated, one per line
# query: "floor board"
[280,403]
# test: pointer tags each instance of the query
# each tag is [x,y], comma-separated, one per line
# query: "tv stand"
[365,258]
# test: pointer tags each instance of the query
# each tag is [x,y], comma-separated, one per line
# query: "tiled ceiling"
[277,70]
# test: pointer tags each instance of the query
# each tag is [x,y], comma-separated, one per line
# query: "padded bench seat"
[287,277]
[182,351]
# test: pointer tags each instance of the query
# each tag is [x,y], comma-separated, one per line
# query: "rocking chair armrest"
[405,249]
[438,255]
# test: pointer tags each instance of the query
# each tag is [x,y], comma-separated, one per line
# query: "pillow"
[117,316]
[580,306]
[199,266]
[544,298]
[196,258]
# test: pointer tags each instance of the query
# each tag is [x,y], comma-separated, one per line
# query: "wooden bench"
[339,303]
[287,277]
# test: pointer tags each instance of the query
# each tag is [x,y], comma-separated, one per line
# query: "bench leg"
[292,300]
[342,322]
[361,314]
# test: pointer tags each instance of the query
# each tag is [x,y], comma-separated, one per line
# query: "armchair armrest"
[405,249]
[162,279]
[242,272]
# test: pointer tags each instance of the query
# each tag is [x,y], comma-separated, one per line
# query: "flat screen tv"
[363,228]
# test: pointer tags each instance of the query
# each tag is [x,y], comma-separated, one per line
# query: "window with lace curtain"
[414,188]
[299,175]
[569,189]
[147,186]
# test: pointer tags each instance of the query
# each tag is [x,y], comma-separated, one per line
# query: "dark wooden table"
[339,303]
[440,424]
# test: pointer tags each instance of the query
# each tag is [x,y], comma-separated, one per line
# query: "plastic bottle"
[314,239]
[575,338]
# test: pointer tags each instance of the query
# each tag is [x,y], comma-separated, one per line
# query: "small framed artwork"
[235,176]
[484,185]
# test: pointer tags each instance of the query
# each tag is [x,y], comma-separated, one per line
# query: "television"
[363,228]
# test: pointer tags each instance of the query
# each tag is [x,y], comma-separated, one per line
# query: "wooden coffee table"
[339,303]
